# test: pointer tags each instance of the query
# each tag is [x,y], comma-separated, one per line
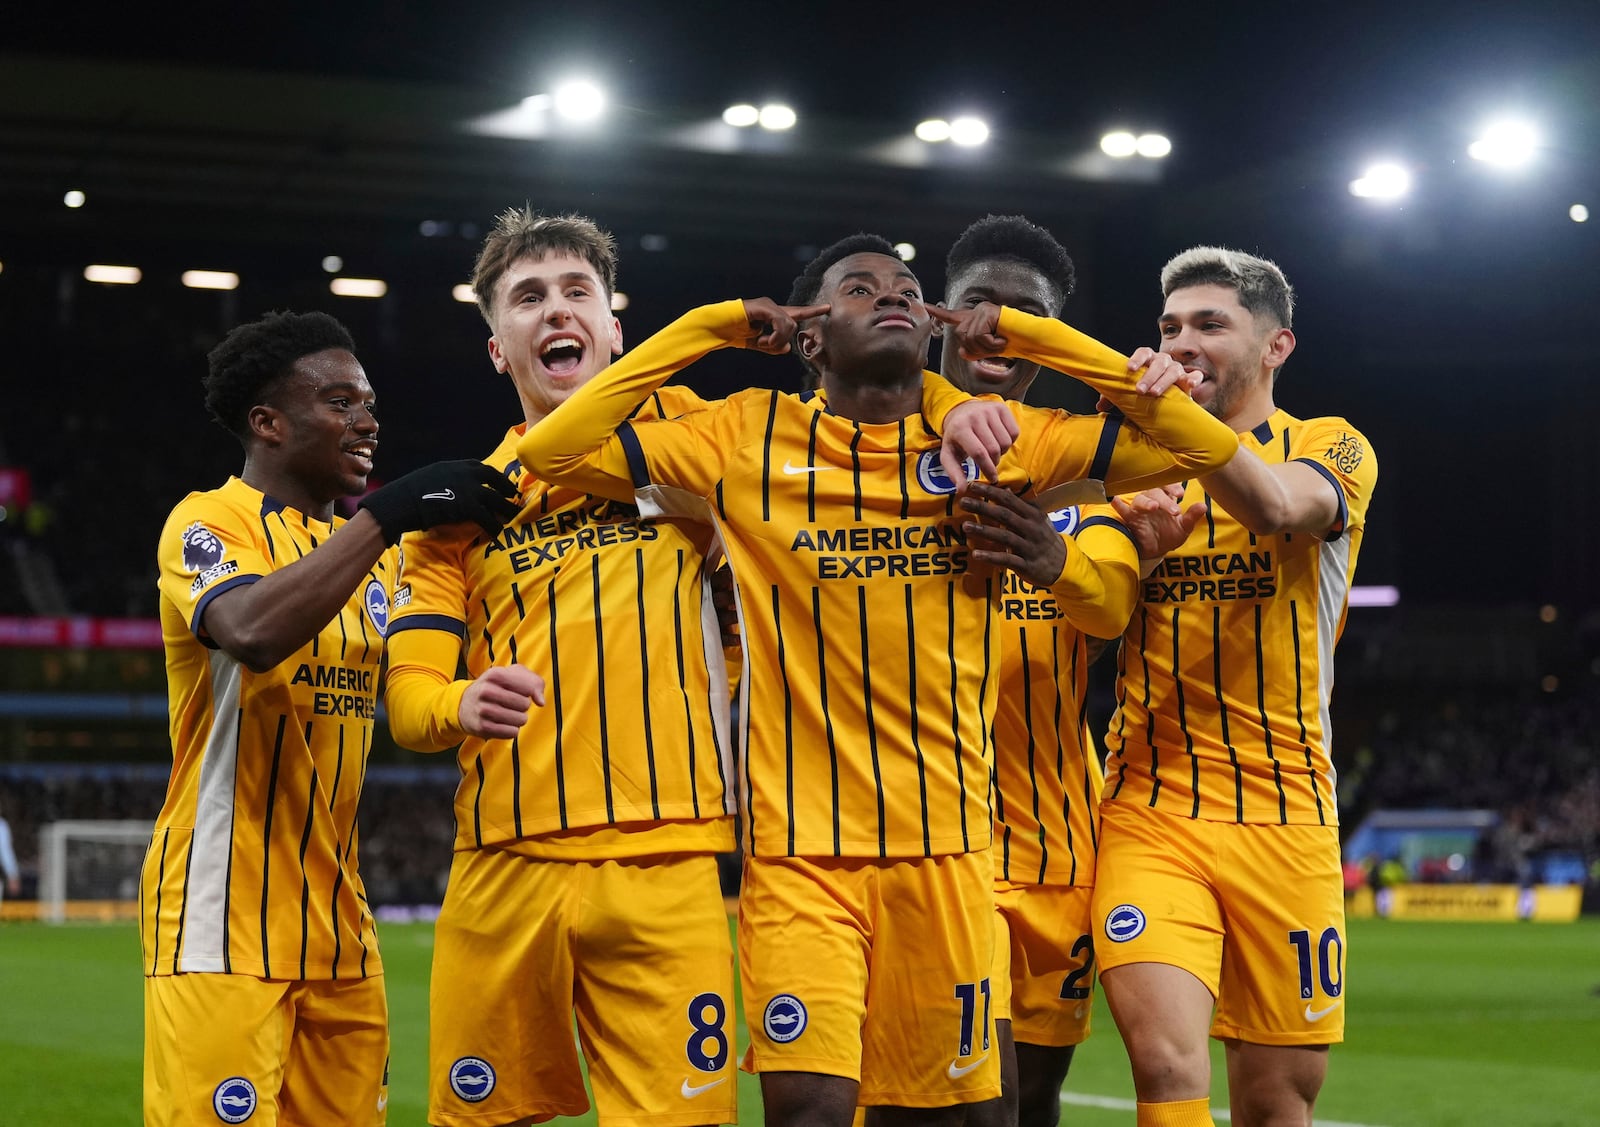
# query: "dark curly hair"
[1017,239]
[809,283]
[242,369]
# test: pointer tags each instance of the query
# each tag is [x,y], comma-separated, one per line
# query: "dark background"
[1453,328]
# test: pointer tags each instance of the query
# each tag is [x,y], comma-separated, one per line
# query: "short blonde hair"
[1259,282]
[522,233]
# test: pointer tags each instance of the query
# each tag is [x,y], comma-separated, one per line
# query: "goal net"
[90,869]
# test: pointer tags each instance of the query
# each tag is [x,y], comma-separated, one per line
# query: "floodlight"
[113,275]
[619,302]
[1153,145]
[934,130]
[332,264]
[906,251]
[968,131]
[1383,181]
[777,117]
[1119,143]
[359,287]
[1508,144]
[211,279]
[742,115]
[463,293]
[579,100]
[74,198]
[1578,213]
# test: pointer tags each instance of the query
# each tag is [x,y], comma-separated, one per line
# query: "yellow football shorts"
[1044,961]
[1256,912]
[878,971]
[637,949]
[229,1048]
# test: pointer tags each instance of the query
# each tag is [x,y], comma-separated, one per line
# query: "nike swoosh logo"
[442,495]
[957,1071]
[791,468]
[1318,1015]
[690,1093]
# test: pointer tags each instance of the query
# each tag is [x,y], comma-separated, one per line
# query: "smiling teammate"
[1072,576]
[866,916]
[264,991]
[584,882]
[1219,879]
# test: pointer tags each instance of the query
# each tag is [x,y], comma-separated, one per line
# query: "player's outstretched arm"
[1184,439]
[1267,499]
[577,443]
[264,623]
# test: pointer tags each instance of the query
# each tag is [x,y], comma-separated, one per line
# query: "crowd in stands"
[1535,760]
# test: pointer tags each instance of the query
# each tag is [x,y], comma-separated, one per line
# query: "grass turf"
[1448,1024]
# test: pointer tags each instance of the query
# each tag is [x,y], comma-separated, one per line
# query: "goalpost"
[90,869]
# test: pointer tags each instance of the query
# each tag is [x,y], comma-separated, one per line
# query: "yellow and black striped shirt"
[252,868]
[631,752]
[1047,773]
[871,646]
[1226,670]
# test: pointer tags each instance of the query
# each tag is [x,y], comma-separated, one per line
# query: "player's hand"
[981,429]
[1157,520]
[976,330]
[495,706]
[772,326]
[1020,535]
[443,493]
[1162,370]
[726,606]
[13,886]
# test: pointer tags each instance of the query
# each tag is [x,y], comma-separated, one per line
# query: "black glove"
[443,493]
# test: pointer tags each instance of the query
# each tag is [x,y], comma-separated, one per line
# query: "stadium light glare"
[776,117]
[332,264]
[579,100]
[358,287]
[463,293]
[968,131]
[1505,144]
[1119,143]
[934,130]
[113,275]
[74,198]
[1383,181]
[211,279]
[741,116]
[1154,146]
[619,301]
[906,251]
[1578,213]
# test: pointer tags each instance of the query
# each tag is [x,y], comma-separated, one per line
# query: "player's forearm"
[1198,442]
[266,622]
[422,698]
[576,443]
[1097,596]
[1264,499]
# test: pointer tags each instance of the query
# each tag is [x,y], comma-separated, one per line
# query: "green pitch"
[1448,1024]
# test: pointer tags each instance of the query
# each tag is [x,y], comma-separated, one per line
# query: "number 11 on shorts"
[968,993]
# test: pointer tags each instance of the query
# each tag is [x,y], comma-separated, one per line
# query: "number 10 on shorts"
[968,993]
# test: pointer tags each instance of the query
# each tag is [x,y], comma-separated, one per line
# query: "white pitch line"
[1112,1103]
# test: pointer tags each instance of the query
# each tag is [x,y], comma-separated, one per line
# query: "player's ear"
[808,343]
[265,424]
[496,357]
[1279,345]
[616,337]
